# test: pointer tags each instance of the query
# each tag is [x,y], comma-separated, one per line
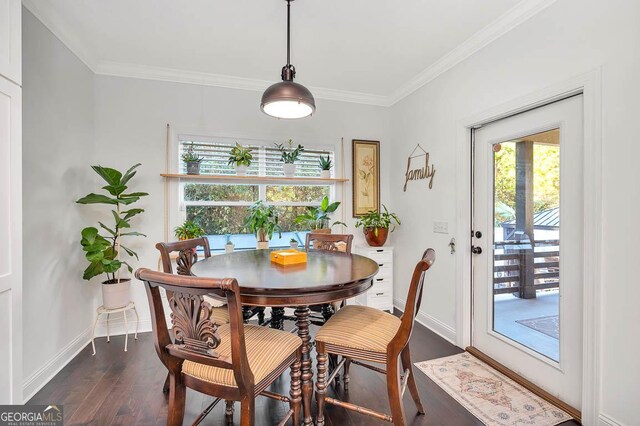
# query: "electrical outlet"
[441,227]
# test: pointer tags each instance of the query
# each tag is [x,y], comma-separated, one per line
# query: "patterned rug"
[547,325]
[489,395]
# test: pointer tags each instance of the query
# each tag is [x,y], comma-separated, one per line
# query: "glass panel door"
[526,259]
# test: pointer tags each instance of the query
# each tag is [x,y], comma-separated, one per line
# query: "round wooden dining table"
[326,277]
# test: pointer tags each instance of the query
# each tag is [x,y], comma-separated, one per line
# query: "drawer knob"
[379,294]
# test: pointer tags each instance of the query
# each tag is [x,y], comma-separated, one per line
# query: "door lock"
[476,250]
[478,234]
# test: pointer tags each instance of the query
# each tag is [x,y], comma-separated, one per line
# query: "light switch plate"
[441,227]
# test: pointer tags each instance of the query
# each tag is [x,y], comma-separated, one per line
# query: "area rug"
[489,395]
[547,325]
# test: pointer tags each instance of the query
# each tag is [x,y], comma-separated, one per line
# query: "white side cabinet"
[379,296]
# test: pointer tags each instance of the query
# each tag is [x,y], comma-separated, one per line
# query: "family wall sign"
[418,167]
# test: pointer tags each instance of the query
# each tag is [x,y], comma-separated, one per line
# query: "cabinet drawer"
[382,256]
[380,302]
[380,288]
[385,271]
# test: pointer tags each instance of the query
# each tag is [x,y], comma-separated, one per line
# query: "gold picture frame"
[366,176]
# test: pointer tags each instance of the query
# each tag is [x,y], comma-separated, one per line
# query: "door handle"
[476,250]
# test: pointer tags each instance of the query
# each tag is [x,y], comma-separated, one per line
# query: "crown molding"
[51,19]
[146,72]
[502,25]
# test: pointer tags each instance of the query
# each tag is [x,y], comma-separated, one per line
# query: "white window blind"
[266,159]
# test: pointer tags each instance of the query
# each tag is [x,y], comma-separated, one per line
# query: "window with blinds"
[266,159]
[220,208]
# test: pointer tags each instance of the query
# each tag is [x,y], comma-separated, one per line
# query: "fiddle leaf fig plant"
[103,252]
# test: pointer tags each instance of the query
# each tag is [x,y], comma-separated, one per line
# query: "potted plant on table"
[104,252]
[240,157]
[289,157]
[375,226]
[293,243]
[317,218]
[192,160]
[325,164]
[262,221]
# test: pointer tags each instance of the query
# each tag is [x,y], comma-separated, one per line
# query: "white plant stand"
[102,310]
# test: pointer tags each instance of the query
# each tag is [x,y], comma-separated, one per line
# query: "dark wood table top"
[326,277]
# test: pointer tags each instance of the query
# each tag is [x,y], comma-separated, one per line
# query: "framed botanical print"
[366,176]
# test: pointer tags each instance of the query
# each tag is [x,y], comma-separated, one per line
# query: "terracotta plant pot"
[116,295]
[376,241]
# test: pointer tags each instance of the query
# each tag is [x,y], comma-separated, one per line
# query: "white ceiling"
[377,48]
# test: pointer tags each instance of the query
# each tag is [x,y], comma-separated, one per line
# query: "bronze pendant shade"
[288,99]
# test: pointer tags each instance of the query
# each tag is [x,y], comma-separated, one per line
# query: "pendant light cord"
[288,32]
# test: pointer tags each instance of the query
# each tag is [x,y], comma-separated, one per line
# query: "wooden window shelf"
[256,179]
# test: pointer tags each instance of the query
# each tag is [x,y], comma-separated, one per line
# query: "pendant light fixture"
[288,99]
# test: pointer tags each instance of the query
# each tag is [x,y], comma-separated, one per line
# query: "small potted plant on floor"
[192,160]
[289,156]
[317,218]
[240,157]
[189,230]
[262,221]
[375,226]
[104,252]
[293,243]
[325,164]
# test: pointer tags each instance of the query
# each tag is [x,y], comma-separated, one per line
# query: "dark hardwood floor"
[125,388]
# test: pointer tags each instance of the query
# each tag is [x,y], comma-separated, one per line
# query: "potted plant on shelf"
[104,251]
[325,167]
[240,157]
[293,243]
[262,221]
[189,230]
[289,157]
[375,226]
[192,160]
[317,219]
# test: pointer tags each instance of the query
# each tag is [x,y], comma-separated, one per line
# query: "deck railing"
[522,269]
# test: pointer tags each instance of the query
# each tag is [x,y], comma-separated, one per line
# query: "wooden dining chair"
[338,243]
[233,361]
[361,333]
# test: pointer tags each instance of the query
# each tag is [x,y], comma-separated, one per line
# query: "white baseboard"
[44,374]
[605,420]
[432,323]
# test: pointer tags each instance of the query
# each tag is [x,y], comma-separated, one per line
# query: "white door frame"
[589,85]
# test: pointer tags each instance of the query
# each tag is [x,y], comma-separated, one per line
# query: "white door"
[528,261]
[10,203]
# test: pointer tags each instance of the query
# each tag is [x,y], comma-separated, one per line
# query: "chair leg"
[228,411]
[296,389]
[346,378]
[167,384]
[411,384]
[393,390]
[321,383]
[177,396]
[248,411]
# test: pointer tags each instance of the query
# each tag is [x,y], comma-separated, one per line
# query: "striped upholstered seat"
[267,350]
[359,330]
[219,311]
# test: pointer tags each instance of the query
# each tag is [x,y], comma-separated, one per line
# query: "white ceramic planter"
[293,245]
[116,295]
[241,170]
[325,174]
[263,245]
[289,170]
[228,248]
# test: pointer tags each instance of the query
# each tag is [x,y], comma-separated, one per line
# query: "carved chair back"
[196,336]
[187,254]
[329,242]
[414,298]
